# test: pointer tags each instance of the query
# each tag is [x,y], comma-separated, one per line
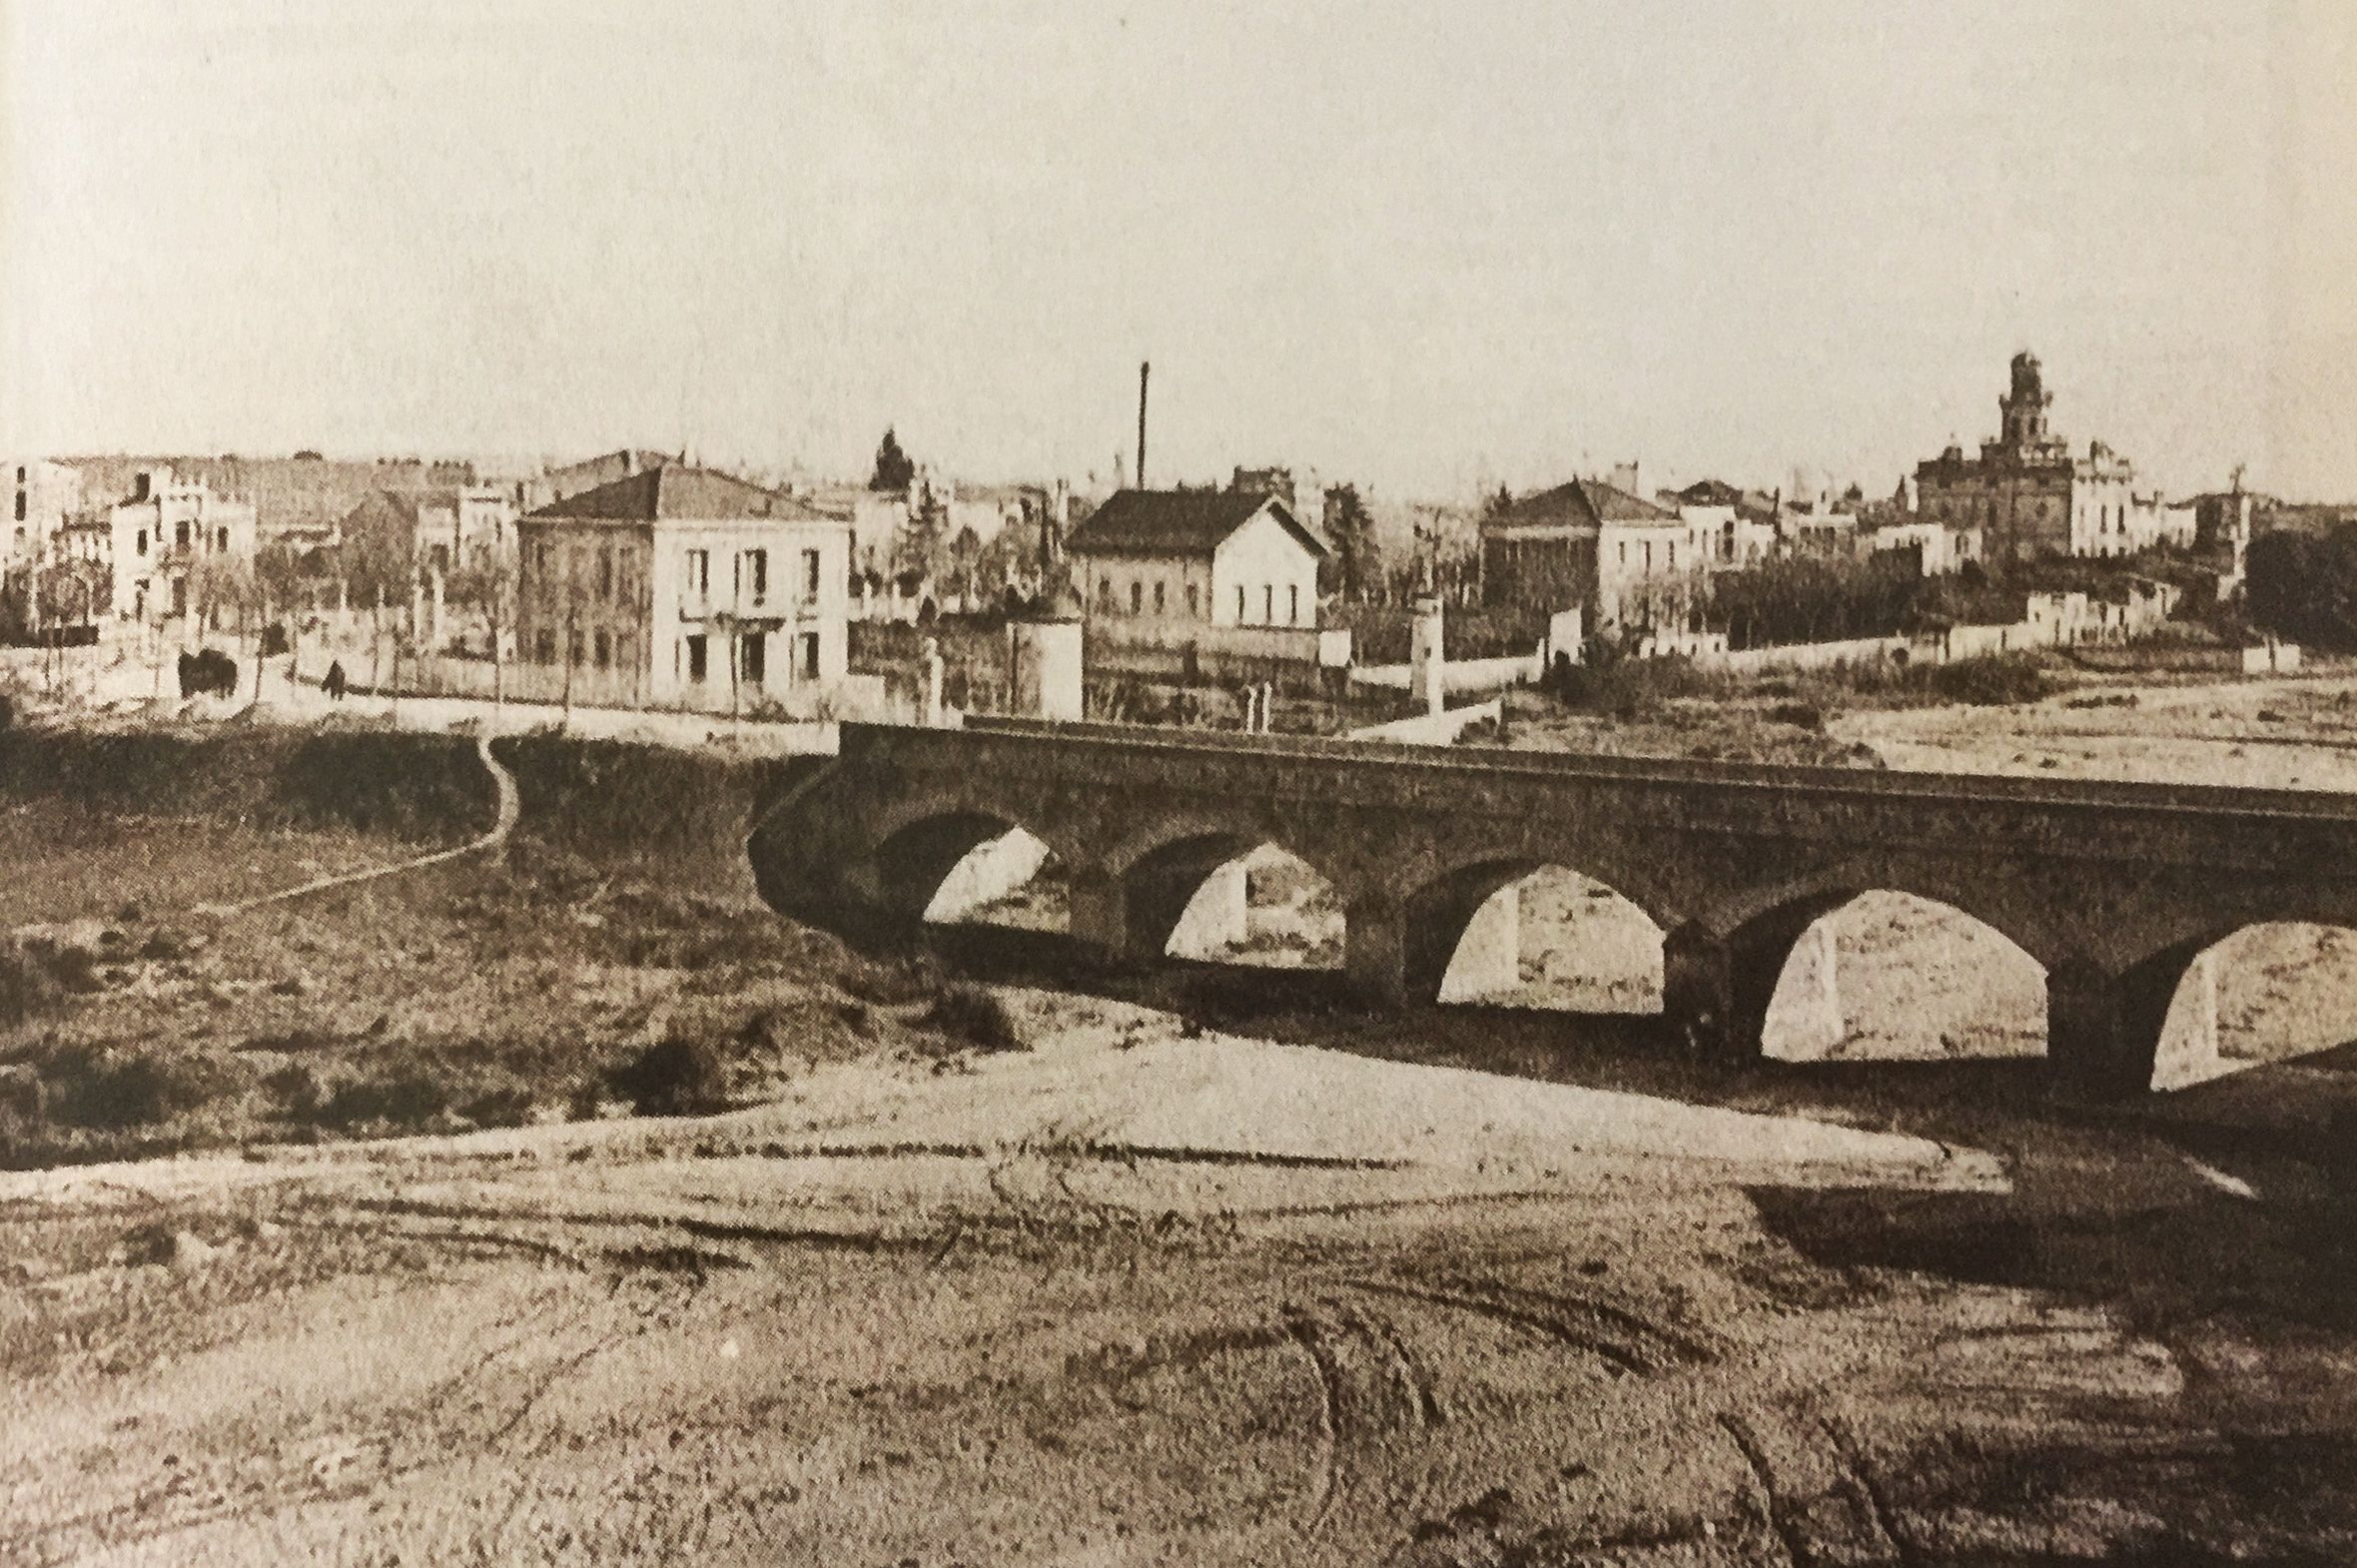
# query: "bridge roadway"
[2115,888]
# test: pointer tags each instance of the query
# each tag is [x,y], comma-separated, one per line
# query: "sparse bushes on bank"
[976,1016]
[676,1076]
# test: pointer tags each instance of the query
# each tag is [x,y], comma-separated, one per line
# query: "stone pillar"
[1427,674]
[1374,951]
[1045,680]
[2102,1030]
[1219,916]
[1098,910]
[1488,960]
[1698,994]
[933,676]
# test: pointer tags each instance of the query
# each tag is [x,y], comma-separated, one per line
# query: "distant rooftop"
[1177,522]
[677,491]
[1581,503]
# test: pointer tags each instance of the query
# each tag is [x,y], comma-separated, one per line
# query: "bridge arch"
[1773,970]
[1183,885]
[2225,1001]
[940,857]
[1467,932]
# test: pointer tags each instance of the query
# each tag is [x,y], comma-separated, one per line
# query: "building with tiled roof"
[1593,546]
[1209,558]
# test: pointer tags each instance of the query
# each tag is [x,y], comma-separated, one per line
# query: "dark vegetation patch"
[413,788]
[975,1016]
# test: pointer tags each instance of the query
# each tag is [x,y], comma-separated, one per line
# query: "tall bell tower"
[2024,405]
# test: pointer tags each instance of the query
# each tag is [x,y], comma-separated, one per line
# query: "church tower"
[2024,406]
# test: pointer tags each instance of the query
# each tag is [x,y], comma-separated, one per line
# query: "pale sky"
[1417,246]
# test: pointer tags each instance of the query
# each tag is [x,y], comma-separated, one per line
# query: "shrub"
[1801,715]
[1992,680]
[1220,998]
[676,1076]
[402,1094]
[29,988]
[115,1089]
[976,1016]
[1626,687]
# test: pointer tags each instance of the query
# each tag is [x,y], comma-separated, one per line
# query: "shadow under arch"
[1887,975]
[2262,992]
[1230,895]
[1524,931]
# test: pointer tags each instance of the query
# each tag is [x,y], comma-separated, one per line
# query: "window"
[1104,593]
[1159,590]
[1672,548]
[699,573]
[605,649]
[1293,606]
[806,658]
[1136,598]
[547,649]
[221,542]
[180,533]
[142,542]
[574,651]
[697,656]
[1239,604]
[1268,604]
[810,574]
[757,568]
[756,659]
[20,506]
[1193,607]
[605,576]
[1624,553]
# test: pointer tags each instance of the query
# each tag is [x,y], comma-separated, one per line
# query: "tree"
[1357,561]
[917,545]
[2304,586]
[894,467]
[486,580]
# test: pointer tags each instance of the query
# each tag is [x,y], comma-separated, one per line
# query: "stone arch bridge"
[2115,888]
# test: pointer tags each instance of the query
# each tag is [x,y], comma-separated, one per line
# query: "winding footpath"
[510,808]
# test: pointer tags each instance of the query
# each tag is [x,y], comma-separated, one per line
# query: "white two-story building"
[681,588]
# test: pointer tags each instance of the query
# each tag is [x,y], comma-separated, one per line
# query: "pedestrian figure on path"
[332,685]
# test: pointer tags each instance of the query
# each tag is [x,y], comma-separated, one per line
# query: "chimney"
[629,462]
[1143,368]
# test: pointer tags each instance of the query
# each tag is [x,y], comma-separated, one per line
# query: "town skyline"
[1721,242]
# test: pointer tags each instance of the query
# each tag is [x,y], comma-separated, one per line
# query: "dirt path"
[509,810]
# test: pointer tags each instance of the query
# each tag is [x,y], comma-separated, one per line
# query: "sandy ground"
[1141,1298]
[1142,1295]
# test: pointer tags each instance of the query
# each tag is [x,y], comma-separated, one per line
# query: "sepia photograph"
[1039,784]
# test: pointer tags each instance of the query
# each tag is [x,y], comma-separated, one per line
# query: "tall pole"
[1143,368]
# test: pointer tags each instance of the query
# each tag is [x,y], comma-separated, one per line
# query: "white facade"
[163,534]
[716,615]
[455,525]
[43,496]
[778,593]
[1260,574]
